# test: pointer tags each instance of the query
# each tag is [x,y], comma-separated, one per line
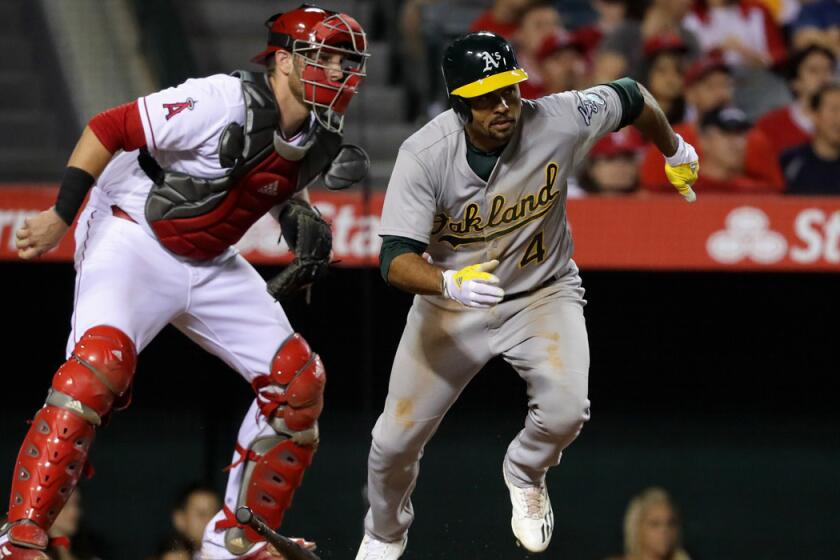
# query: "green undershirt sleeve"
[392,247]
[632,101]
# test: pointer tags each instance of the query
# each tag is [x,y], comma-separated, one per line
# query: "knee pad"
[294,388]
[98,374]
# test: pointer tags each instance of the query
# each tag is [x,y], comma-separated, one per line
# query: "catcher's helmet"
[310,32]
[475,64]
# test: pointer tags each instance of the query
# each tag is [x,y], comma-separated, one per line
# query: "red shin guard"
[291,398]
[294,390]
[53,455]
[49,465]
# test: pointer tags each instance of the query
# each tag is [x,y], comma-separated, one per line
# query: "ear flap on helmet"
[461,107]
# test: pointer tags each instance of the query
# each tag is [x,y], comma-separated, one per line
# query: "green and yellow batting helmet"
[475,64]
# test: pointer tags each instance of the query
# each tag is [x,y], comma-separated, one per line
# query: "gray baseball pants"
[541,334]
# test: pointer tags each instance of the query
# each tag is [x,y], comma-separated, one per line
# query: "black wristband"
[71,194]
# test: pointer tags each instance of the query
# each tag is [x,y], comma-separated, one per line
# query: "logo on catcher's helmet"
[173,109]
[491,61]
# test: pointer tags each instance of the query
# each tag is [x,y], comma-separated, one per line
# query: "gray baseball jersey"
[519,215]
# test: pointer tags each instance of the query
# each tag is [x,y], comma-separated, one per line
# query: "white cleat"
[372,549]
[532,520]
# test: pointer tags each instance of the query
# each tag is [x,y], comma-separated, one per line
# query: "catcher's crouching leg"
[290,398]
[87,387]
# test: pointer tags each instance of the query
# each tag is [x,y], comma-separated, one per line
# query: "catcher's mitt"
[310,238]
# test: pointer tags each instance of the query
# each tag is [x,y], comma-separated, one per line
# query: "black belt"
[509,297]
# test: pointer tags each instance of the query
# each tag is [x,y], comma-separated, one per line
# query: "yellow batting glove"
[683,168]
[476,272]
[473,286]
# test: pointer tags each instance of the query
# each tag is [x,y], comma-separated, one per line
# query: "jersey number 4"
[535,252]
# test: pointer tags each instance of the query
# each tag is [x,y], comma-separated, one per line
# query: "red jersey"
[785,128]
[761,168]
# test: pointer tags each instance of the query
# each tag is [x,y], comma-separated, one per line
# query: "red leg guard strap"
[244,455]
[295,387]
[60,542]
[229,522]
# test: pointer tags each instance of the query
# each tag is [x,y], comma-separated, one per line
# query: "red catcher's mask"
[314,36]
[338,34]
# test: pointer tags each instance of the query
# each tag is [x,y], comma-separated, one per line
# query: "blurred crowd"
[192,510]
[752,84]
[652,528]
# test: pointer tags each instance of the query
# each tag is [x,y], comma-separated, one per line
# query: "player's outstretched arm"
[116,129]
[681,162]
[44,231]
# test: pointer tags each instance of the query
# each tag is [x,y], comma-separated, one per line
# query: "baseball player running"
[482,190]
[180,176]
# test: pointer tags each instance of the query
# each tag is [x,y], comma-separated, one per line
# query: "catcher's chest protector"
[200,218]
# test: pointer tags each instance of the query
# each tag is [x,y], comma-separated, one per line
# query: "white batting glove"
[683,168]
[473,286]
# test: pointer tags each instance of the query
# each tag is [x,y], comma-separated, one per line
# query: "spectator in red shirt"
[539,20]
[815,168]
[793,125]
[723,144]
[613,164]
[709,85]
[562,63]
[664,74]
[745,31]
[502,19]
